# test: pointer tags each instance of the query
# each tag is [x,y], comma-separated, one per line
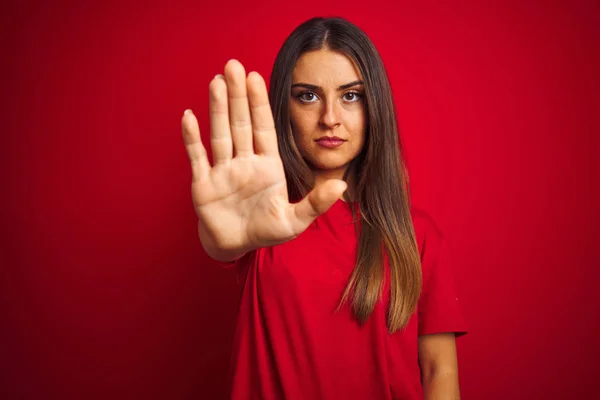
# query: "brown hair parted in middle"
[380,184]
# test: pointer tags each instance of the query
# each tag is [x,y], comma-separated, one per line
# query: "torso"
[290,341]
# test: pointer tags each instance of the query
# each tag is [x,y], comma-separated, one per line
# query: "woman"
[346,292]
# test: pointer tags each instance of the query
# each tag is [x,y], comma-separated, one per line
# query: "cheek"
[302,127]
[357,126]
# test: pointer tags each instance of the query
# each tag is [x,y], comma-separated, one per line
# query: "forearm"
[441,385]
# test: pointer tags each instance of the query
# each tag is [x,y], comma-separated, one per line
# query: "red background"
[104,290]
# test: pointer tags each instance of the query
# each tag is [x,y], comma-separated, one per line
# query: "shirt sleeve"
[241,265]
[439,309]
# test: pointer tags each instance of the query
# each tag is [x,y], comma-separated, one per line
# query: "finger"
[193,144]
[239,111]
[263,126]
[220,134]
[316,203]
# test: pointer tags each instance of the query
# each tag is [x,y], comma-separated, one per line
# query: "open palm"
[241,200]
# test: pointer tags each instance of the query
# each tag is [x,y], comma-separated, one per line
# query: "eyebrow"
[316,88]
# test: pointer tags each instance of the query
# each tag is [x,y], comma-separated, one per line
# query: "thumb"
[317,202]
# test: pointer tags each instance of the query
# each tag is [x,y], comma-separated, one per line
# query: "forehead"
[325,68]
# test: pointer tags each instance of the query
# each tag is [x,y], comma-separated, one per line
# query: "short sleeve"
[241,265]
[439,309]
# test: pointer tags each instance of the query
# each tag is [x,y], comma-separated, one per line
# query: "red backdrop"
[104,289]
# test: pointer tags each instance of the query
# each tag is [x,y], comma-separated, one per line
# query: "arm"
[439,366]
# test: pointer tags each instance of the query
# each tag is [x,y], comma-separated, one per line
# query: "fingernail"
[188,111]
[219,76]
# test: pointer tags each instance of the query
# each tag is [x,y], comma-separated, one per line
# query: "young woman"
[346,289]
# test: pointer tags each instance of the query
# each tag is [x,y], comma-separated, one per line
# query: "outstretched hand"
[241,200]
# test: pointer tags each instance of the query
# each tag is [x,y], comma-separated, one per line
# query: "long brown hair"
[381,187]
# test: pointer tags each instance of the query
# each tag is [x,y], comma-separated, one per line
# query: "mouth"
[330,141]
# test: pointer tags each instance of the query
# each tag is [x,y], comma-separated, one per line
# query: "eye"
[352,97]
[307,97]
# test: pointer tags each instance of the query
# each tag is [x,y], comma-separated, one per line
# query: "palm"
[245,201]
[241,200]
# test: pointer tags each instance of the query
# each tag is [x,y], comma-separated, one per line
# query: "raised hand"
[241,200]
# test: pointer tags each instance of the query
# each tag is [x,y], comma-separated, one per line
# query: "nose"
[330,115]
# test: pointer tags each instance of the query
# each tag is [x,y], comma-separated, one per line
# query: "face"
[327,108]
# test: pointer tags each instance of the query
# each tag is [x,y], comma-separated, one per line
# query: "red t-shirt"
[291,344]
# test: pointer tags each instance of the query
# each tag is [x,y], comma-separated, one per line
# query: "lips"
[330,138]
[330,141]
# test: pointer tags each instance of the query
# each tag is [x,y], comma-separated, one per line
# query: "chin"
[329,165]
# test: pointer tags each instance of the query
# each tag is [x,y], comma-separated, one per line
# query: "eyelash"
[357,95]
